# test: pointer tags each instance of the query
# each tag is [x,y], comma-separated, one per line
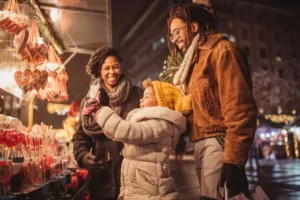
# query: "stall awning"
[81,26]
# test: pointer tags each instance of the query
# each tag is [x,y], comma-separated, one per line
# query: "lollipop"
[11,137]
[13,140]
[2,137]
[5,176]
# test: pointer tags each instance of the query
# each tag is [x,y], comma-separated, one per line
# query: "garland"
[45,26]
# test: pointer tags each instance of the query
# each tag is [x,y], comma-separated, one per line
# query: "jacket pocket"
[167,188]
[147,178]
[206,101]
[163,170]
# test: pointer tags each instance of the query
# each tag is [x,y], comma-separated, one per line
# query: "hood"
[164,113]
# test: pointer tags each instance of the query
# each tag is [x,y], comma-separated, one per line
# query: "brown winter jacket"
[223,104]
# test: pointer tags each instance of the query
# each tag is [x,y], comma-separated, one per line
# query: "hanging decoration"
[29,81]
[49,80]
[56,89]
[34,51]
[45,26]
[11,20]
[31,48]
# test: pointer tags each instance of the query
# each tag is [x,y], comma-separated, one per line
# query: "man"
[216,74]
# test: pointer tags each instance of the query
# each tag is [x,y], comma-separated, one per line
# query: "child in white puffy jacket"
[149,135]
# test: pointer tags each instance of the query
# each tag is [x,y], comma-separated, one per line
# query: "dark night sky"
[286,4]
[123,13]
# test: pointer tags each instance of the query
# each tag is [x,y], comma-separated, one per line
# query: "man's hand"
[235,178]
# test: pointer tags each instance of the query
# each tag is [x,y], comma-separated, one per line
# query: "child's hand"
[91,106]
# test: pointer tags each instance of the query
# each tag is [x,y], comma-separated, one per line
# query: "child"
[149,135]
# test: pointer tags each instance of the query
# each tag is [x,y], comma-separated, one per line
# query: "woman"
[92,149]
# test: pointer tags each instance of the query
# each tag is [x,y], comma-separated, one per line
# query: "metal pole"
[30,112]
[31,105]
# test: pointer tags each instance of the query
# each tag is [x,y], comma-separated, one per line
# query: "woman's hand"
[92,105]
[94,166]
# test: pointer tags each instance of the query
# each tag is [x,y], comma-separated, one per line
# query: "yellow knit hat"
[169,96]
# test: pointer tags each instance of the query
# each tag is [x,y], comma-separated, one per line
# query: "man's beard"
[184,49]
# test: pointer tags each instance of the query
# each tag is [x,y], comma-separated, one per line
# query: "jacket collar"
[211,41]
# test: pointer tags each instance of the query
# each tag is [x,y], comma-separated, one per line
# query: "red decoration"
[74,108]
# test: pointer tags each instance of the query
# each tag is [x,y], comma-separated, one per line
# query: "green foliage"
[174,61]
[167,75]
[171,66]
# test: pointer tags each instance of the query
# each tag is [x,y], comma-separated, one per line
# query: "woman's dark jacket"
[106,185]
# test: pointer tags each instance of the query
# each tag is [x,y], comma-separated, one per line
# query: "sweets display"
[44,157]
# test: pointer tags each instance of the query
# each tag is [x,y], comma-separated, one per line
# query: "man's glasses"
[175,34]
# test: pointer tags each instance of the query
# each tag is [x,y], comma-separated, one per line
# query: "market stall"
[36,160]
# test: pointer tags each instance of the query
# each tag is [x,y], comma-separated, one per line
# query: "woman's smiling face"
[110,72]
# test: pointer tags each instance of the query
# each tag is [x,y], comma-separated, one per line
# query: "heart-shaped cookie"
[43,78]
[20,41]
[20,79]
[35,83]
[4,21]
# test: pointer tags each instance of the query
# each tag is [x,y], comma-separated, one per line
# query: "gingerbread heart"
[26,54]
[20,41]
[35,83]
[20,79]
[11,28]
[13,23]
[43,78]
[4,21]
[30,76]
[40,53]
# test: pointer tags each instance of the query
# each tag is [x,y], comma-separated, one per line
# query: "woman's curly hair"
[97,59]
